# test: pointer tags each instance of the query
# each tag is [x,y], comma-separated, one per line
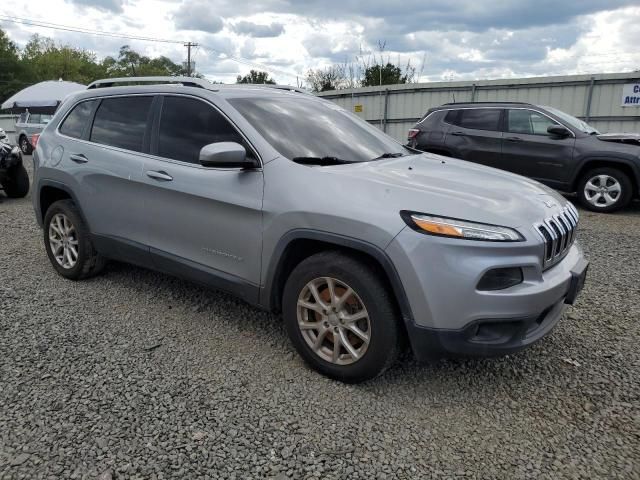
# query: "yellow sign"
[357,108]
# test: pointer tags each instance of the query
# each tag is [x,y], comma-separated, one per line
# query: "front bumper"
[449,316]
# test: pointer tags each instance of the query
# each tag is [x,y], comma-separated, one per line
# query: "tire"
[25,145]
[87,261]
[16,184]
[381,325]
[617,188]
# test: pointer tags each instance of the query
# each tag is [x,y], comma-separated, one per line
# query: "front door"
[203,223]
[529,150]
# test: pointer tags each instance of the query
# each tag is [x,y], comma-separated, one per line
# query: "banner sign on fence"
[631,95]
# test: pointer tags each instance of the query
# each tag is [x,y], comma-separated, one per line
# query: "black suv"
[542,143]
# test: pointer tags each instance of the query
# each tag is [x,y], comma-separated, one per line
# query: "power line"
[67,28]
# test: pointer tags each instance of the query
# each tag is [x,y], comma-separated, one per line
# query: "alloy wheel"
[333,321]
[602,191]
[63,241]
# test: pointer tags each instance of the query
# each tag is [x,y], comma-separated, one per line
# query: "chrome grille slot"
[558,233]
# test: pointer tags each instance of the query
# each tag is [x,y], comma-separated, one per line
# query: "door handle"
[513,139]
[458,134]
[78,158]
[159,175]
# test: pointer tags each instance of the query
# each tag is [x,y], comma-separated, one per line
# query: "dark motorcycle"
[13,176]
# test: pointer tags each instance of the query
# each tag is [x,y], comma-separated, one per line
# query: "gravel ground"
[134,374]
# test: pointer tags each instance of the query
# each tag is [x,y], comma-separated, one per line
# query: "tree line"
[43,59]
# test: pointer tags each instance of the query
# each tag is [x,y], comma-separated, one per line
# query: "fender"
[612,159]
[268,292]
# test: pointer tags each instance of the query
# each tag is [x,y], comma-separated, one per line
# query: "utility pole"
[189,45]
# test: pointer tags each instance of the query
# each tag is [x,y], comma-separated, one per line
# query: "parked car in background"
[27,125]
[538,142]
[297,206]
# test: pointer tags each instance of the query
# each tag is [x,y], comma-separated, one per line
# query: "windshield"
[300,127]
[572,121]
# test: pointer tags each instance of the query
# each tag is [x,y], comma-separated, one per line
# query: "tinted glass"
[121,122]
[451,116]
[297,126]
[187,125]
[74,124]
[480,118]
[528,121]
[34,118]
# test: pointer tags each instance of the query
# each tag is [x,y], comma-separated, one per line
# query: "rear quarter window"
[77,120]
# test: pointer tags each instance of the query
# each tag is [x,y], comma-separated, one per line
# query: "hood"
[454,188]
[627,138]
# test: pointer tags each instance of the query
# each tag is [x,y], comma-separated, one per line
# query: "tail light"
[413,133]
[34,140]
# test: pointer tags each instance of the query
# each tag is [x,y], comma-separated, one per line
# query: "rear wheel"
[25,145]
[605,190]
[341,317]
[68,244]
[16,183]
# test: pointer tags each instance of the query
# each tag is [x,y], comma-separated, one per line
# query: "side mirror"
[225,155]
[558,131]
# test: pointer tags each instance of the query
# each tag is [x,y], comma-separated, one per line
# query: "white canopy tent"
[42,95]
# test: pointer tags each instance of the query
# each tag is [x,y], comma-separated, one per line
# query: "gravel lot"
[134,374]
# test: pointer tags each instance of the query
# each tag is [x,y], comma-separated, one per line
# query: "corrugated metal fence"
[594,98]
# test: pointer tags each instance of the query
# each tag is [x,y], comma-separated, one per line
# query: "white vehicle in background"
[28,125]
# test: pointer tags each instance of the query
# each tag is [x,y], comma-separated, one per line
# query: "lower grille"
[558,233]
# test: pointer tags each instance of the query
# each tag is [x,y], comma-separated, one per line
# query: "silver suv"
[299,207]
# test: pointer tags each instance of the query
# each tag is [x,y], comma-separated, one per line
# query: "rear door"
[106,165]
[476,135]
[202,220]
[529,150]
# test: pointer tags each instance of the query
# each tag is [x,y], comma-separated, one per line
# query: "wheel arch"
[624,166]
[50,192]
[299,244]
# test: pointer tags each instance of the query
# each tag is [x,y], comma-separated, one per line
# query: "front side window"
[34,118]
[480,118]
[187,125]
[301,127]
[528,122]
[74,124]
[121,122]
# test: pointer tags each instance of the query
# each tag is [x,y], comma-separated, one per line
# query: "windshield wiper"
[389,155]
[322,161]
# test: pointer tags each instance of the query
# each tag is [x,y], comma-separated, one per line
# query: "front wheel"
[16,184]
[341,317]
[605,190]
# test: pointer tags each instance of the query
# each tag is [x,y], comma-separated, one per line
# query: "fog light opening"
[500,278]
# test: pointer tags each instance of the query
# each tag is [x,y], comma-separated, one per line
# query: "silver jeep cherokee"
[299,207]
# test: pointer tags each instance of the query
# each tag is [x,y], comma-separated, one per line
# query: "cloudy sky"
[443,39]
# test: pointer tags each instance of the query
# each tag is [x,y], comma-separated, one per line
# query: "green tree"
[388,74]
[43,59]
[11,71]
[131,64]
[255,76]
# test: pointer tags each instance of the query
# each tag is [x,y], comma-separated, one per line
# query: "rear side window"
[187,125]
[121,122]
[76,121]
[452,116]
[480,118]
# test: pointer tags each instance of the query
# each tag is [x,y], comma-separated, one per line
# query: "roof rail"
[186,81]
[487,103]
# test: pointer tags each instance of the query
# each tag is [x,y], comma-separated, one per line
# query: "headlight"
[453,227]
